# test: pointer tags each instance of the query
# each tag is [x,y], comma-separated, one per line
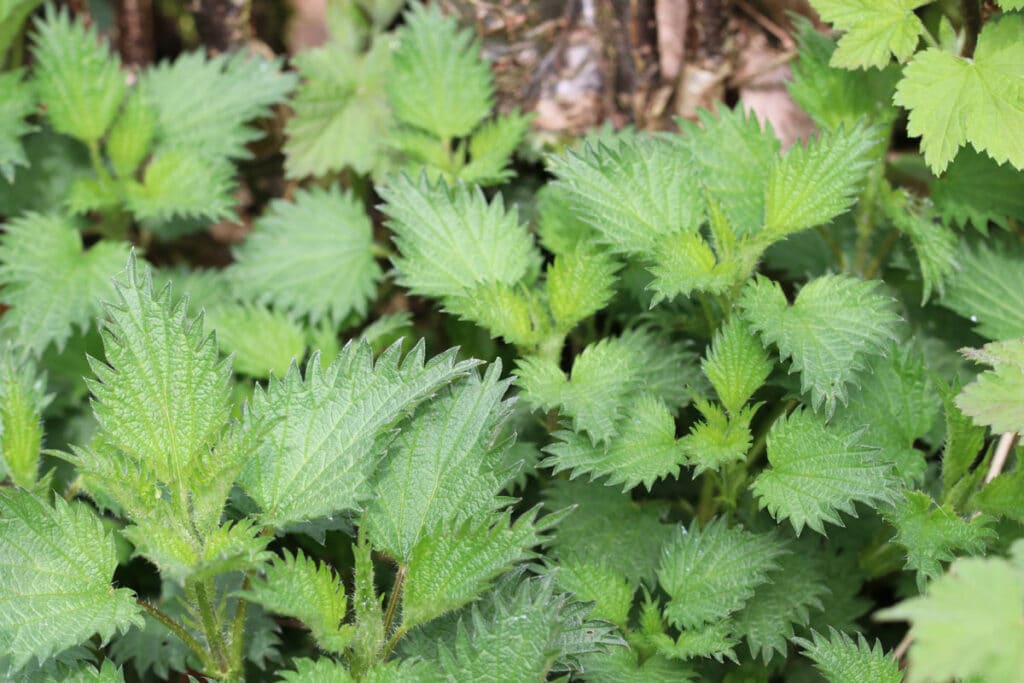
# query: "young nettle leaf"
[52,285]
[937,246]
[491,147]
[439,84]
[580,283]
[714,641]
[559,228]
[182,183]
[626,666]
[875,31]
[996,398]
[351,406]
[324,670]
[987,289]
[1003,496]
[56,565]
[736,364]
[964,441]
[310,257]
[968,624]
[130,138]
[261,341]
[817,471]
[299,587]
[841,659]
[835,324]
[78,80]
[22,400]
[931,535]
[611,593]
[711,572]
[13,14]
[17,101]
[971,110]
[718,439]
[84,672]
[976,190]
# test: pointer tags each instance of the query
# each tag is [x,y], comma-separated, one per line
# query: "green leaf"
[644,451]
[54,163]
[130,138]
[203,104]
[17,100]
[50,283]
[491,148]
[22,400]
[312,257]
[341,114]
[444,468]
[625,666]
[580,283]
[452,239]
[964,441]
[261,341]
[351,406]
[983,97]
[610,591]
[559,228]
[986,290]
[183,183]
[13,14]
[836,97]
[513,312]
[817,471]
[876,30]
[996,398]
[633,193]
[324,670]
[84,672]
[457,563]
[56,568]
[736,364]
[77,78]
[684,263]
[931,536]
[819,180]
[298,587]
[976,190]
[711,572]
[841,659]
[438,82]
[835,324]
[718,439]
[969,623]
[1003,496]
[936,246]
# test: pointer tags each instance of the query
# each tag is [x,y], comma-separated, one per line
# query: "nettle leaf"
[841,659]
[964,440]
[976,190]
[973,109]
[817,471]
[1003,496]
[349,407]
[559,228]
[625,666]
[603,378]
[341,112]
[453,566]
[711,572]
[931,534]
[261,341]
[996,398]
[634,192]
[987,291]
[452,239]
[204,103]
[818,180]
[444,468]
[17,101]
[85,672]
[56,568]
[610,591]
[310,257]
[438,82]
[580,283]
[77,78]
[937,246]
[718,439]
[876,30]
[22,401]
[297,586]
[715,641]
[13,14]
[183,183]
[644,451]
[50,283]
[736,364]
[968,624]
[833,326]
[491,149]
[606,527]
[130,138]
[324,670]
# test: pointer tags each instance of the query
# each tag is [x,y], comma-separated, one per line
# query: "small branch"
[971,11]
[1006,443]
[901,650]
[177,629]
[876,264]
[392,642]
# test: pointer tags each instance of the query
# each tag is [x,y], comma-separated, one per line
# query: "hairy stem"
[214,637]
[237,643]
[178,630]
[394,599]
[393,641]
[876,264]
[865,217]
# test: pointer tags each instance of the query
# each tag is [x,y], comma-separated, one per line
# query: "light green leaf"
[22,400]
[841,659]
[444,468]
[312,256]
[625,666]
[56,568]
[299,587]
[817,471]
[996,398]
[325,670]
[559,227]
[976,190]
[736,364]
[610,591]
[876,30]
[987,290]
[983,97]
[580,283]
[261,341]
[51,284]
[715,641]
[183,183]
[968,624]
[13,14]
[341,114]
[833,326]
[349,406]
[17,100]
[130,138]
[711,572]
[718,439]
[438,82]
[1003,496]
[515,313]
[936,246]
[819,180]
[77,78]
[491,148]
[684,263]
[964,441]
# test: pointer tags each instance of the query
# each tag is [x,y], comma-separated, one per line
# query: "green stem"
[97,161]
[381,251]
[709,314]
[214,637]
[876,264]
[706,507]
[833,247]
[865,218]
[393,641]
[930,39]
[394,599]
[238,628]
[178,630]
[758,447]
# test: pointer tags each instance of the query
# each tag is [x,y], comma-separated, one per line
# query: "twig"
[1006,443]
[767,67]
[901,650]
[767,24]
